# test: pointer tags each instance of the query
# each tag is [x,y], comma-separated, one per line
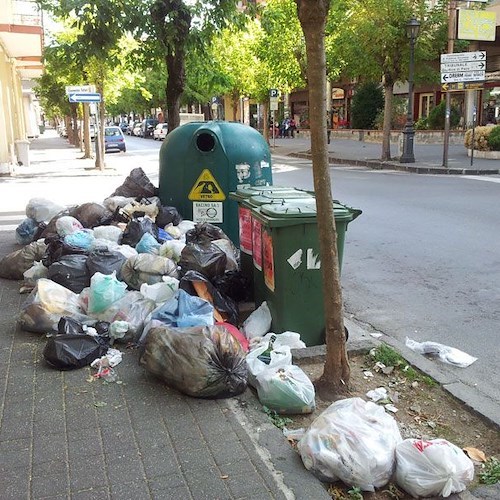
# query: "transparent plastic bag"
[105,289]
[35,272]
[26,231]
[148,244]
[353,441]
[172,249]
[147,268]
[67,225]
[446,354]
[278,357]
[81,239]
[160,292]
[258,323]
[13,265]
[286,390]
[42,210]
[109,233]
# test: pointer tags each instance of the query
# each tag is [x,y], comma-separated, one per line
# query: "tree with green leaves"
[373,45]
[313,16]
[181,26]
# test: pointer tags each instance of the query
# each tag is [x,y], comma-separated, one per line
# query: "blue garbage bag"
[148,244]
[184,310]
[81,239]
[25,232]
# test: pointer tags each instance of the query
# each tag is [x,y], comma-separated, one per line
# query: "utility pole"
[452,10]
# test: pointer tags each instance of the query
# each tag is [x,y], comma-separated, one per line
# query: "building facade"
[21,45]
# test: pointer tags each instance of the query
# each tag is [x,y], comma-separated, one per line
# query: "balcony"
[21,34]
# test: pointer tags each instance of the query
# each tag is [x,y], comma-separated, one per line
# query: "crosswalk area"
[10,220]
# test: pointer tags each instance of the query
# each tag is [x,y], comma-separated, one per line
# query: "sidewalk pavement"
[64,435]
[428,157]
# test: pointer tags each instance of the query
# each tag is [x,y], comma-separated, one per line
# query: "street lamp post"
[412,29]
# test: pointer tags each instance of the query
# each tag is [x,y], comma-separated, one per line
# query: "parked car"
[137,129]
[147,127]
[123,126]
[160,131]
[114,139]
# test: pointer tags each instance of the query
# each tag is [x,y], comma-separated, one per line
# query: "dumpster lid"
[290,209]
[247,192]
[280,197]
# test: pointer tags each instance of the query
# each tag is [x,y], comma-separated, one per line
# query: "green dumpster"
[291,265]
[252,198]
[201,162]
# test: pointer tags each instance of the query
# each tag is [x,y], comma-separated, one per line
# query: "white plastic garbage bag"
[160,292]
[35,272]
[445,353]
[279,357]
[109,233]
[172,249]
[67,225]
[432,468]
[353,441]
[286,390]
[258,323]
[41,209]
[291,339]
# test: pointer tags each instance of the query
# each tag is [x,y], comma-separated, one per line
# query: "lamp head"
[412,28]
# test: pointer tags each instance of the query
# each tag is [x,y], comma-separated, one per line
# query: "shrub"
[422,124]
[366,103]
[480,138]
[437,115]
[494,138]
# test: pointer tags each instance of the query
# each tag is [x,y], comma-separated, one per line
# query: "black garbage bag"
[25,232]
[233,284]
[51,231]
[195,283]
[102,328]
[70,326]
[136,228]
[92,215]
[203,362]
[57,248]
[204,233]
[105,261]
[137,184]
[208,259]
[71,272]
[168,215]
[69,352]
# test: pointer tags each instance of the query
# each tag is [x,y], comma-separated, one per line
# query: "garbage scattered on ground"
[446,354]
[131,271]
[353,441]
[432,468]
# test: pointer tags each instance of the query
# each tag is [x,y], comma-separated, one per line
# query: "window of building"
[426,104]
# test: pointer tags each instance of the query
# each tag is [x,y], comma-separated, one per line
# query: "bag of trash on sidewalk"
[42,210]
[167,215]
[353,441]
[105,290]
[258,323]
[109,233]
[136,228]
[286,390]
[105,262]
[225,308]
[132,308]
[71,272]
[69,352]
[34,273]
[172,249]
[142,207]
[204,234]
[184,310]
[203,362]
[115,202]
[26,231]
[446,354]
[207,259]
[160,292]
[432,468]
[51,231]
[67,225]
[136,185]
[148,244]
[147,268]
[265,356]
[13,265]
[45,306]
[233,284]
[91,215]
[83,239]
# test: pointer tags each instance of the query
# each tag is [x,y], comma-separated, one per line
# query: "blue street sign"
[85,97]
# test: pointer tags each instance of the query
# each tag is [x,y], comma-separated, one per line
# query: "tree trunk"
[386,137]
[175,87]
[73,138]
[313,15]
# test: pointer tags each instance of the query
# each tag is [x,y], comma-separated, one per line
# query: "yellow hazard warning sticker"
[206,188]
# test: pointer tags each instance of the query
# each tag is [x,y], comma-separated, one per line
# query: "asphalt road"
[423,260]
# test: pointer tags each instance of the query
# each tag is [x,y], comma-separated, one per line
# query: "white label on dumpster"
[295,259]
[313,260]
[207,211]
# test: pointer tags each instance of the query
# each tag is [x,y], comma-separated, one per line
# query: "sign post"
[273,106]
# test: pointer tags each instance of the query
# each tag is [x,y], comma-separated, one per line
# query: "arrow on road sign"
[85,97]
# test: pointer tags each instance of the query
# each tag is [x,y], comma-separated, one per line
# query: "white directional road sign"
[75,89]
[84,97]
[463,67]
[464,57]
